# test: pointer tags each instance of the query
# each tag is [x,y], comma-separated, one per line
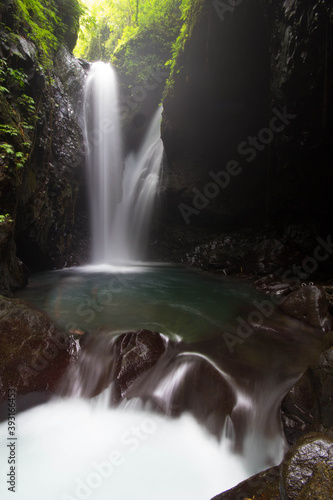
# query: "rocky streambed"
[37,355]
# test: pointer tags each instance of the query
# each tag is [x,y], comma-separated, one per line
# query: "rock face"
[34,356]
[41,157]
[247,123]
[13,273]
[48,215]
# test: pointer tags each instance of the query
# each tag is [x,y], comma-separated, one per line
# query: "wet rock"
[186,383]
[300,410]
[262,486]
[13,273]
[309,304]
[307,471]
[34,355]
[266,257]
[323,381]
[138,351]
[50,205]
[273,284]
[218,260]
[305,474]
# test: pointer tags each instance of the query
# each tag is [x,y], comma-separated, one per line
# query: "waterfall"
[140,185]
[121,193]
[103,156]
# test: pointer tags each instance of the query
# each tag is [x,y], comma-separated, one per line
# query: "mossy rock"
[307,471]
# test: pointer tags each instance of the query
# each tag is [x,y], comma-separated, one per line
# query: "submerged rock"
[34,355]
[106,358]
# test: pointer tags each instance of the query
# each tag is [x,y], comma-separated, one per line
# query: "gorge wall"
[247,129]
[247,123]
[42,200]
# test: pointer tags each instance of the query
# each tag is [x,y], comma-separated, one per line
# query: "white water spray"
[70,451]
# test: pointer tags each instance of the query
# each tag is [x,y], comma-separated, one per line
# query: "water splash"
[69,451]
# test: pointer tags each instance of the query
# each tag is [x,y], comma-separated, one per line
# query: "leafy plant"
[47,22]
[5,218]
[6,150]
[9,130]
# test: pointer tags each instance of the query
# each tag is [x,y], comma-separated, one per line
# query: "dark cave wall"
[259,74]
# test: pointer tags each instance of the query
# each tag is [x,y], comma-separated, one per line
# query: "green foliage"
[109,24]
[138,36]
[47,23]
[9,130]
[5,218]
[10,156]
[190,13]
[6,150]
[39,22]
[27,103]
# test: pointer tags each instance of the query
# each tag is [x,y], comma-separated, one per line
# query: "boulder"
[273,284]
[106,359]
[34,355]
[300,410]
[138,351]
[262,486]
[307,471]
[309,304]
[323,382]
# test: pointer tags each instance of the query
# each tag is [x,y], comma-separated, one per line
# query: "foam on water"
[68,449]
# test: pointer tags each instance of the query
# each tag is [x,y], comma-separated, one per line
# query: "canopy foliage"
[137,36]
[108,24]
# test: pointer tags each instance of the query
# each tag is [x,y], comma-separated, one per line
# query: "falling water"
[103,156]
[122,194]
[140,185]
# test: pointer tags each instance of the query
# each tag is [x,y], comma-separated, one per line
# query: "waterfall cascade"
[122,193]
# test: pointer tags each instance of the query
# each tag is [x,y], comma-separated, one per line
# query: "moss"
[192,11]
